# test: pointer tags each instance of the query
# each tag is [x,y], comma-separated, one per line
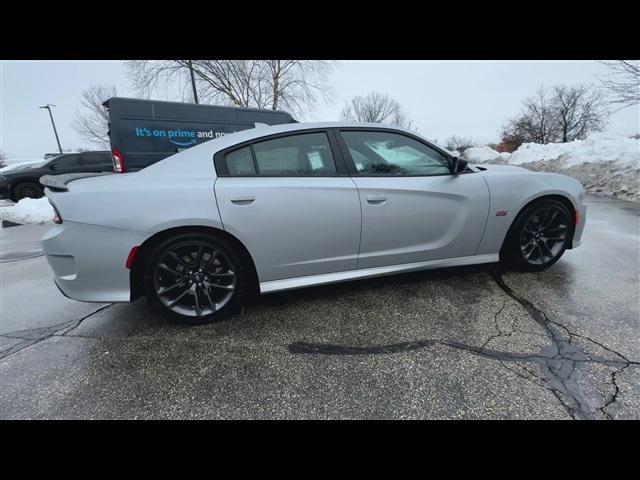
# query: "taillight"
[118,160]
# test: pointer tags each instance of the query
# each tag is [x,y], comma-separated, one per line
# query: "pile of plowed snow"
[604,164]
[28,210]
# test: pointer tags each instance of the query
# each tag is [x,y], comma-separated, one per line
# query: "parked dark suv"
[24,181]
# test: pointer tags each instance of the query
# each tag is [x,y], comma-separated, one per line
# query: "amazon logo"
[180,137]
[184,144]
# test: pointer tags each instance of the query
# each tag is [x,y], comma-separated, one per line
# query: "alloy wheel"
[194,279]
[544,235]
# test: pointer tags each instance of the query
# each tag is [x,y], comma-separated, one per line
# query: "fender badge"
[501,213]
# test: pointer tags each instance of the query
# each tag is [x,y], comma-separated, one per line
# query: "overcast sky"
[470,98]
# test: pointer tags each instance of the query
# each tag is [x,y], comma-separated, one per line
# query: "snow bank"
[29,210]
[597,148]
[455,153]
[605,164]
[484,154]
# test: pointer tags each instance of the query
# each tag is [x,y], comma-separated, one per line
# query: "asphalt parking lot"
[464,343]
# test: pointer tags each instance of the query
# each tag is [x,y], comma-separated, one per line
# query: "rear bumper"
[88,261]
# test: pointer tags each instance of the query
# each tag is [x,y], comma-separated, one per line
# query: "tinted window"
[240,162]
[65,161]
[308,154]
[95,158]
[383,153]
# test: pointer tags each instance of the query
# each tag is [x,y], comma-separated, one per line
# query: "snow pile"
[485,154]
[454,153]
[596,148]
[28,210]
[605,164]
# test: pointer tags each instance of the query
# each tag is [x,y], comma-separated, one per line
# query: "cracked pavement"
[467,343]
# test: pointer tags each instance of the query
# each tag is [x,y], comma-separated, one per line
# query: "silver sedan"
[288,206]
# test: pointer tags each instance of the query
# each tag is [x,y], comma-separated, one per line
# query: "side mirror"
[459,165]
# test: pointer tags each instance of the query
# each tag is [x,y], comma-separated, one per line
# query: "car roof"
[143,103]
[288,127]
[266,130]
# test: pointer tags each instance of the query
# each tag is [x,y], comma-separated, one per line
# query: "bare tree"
[169,79]
[292,85]
[240,83]
[537,121]
[561,114]
[92,123]
[622,82]
[578,110]
[459,144]
[295,84]
[375,108]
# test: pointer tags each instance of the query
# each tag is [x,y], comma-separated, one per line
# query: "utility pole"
[48,107]
[193,81]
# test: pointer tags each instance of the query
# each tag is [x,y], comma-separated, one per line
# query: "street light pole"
[193,81]
[48,107]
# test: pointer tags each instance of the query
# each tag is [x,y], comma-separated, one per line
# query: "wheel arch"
[566,201]
[22,180]
[137,267]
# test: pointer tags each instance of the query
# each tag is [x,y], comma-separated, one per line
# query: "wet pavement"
[457,343]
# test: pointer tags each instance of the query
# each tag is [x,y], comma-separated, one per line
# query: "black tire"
[199,305]
[27,190]
[530,249]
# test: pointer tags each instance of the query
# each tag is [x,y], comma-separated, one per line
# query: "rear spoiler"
[59,182]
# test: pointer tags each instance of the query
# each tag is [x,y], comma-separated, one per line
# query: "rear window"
[240,162]
[66,160]
[294,155]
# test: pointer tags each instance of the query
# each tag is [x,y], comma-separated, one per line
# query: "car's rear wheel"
[539,236]
[27,190]
[195,278]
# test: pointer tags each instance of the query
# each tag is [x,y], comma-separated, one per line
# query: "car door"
[289,200]
[65,163]
[413,208]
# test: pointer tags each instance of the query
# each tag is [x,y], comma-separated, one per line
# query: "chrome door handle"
[242,199]
[376,199]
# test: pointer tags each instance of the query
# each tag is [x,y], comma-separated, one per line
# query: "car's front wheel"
[195,278]
[539,236]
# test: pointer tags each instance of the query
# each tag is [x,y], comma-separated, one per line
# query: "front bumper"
[88,261]
[582,219]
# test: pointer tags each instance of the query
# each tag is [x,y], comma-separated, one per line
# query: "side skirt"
[325,278]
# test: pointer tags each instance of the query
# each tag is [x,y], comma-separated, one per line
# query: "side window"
[240,162]
[384,153]
[295,155]
[359,159]
[94,158]
[66,161]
